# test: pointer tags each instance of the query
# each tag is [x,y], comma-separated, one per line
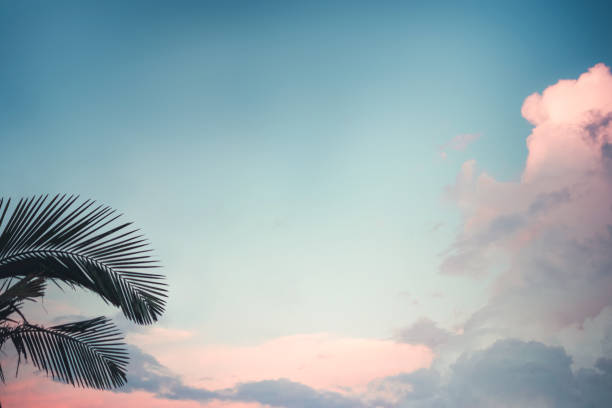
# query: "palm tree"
[80,245]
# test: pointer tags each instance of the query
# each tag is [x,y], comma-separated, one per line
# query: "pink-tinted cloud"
[552,226]
[458,143]
[321,361]
[565,182]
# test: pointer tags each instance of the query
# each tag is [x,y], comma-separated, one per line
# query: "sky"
[356,204]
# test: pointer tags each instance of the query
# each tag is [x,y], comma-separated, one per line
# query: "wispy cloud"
[458,143]
[424,331]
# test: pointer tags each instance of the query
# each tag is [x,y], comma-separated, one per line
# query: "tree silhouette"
[81,245]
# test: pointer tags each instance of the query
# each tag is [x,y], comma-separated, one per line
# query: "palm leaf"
[88,353]
[81,244]
[27,288]
[12,296]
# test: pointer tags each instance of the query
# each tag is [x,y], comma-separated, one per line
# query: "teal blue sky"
[283,158]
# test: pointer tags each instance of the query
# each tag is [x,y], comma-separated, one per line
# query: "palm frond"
[13,295]
[88,353]
[26,288]
[81,244]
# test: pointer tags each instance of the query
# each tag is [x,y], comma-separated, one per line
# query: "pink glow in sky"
[321,361]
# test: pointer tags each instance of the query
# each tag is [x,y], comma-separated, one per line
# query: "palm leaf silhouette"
[13,296]
[88,353]
[81,245]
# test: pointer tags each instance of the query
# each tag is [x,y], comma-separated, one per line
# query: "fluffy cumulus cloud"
[566,184]
[553,225]
[510,373]
[544,244]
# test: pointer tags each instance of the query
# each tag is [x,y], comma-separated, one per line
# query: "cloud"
[412,389]
[510,373]
[544,244]
[424,331]
[458,143]
[552,226]
[145,373]
[514,373]
[285,393]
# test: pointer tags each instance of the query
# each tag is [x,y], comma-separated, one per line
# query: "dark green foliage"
[87,353]
[80,245]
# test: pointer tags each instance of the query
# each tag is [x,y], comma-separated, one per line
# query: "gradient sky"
[357,204]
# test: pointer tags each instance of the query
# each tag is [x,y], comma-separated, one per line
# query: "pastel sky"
[356,204]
